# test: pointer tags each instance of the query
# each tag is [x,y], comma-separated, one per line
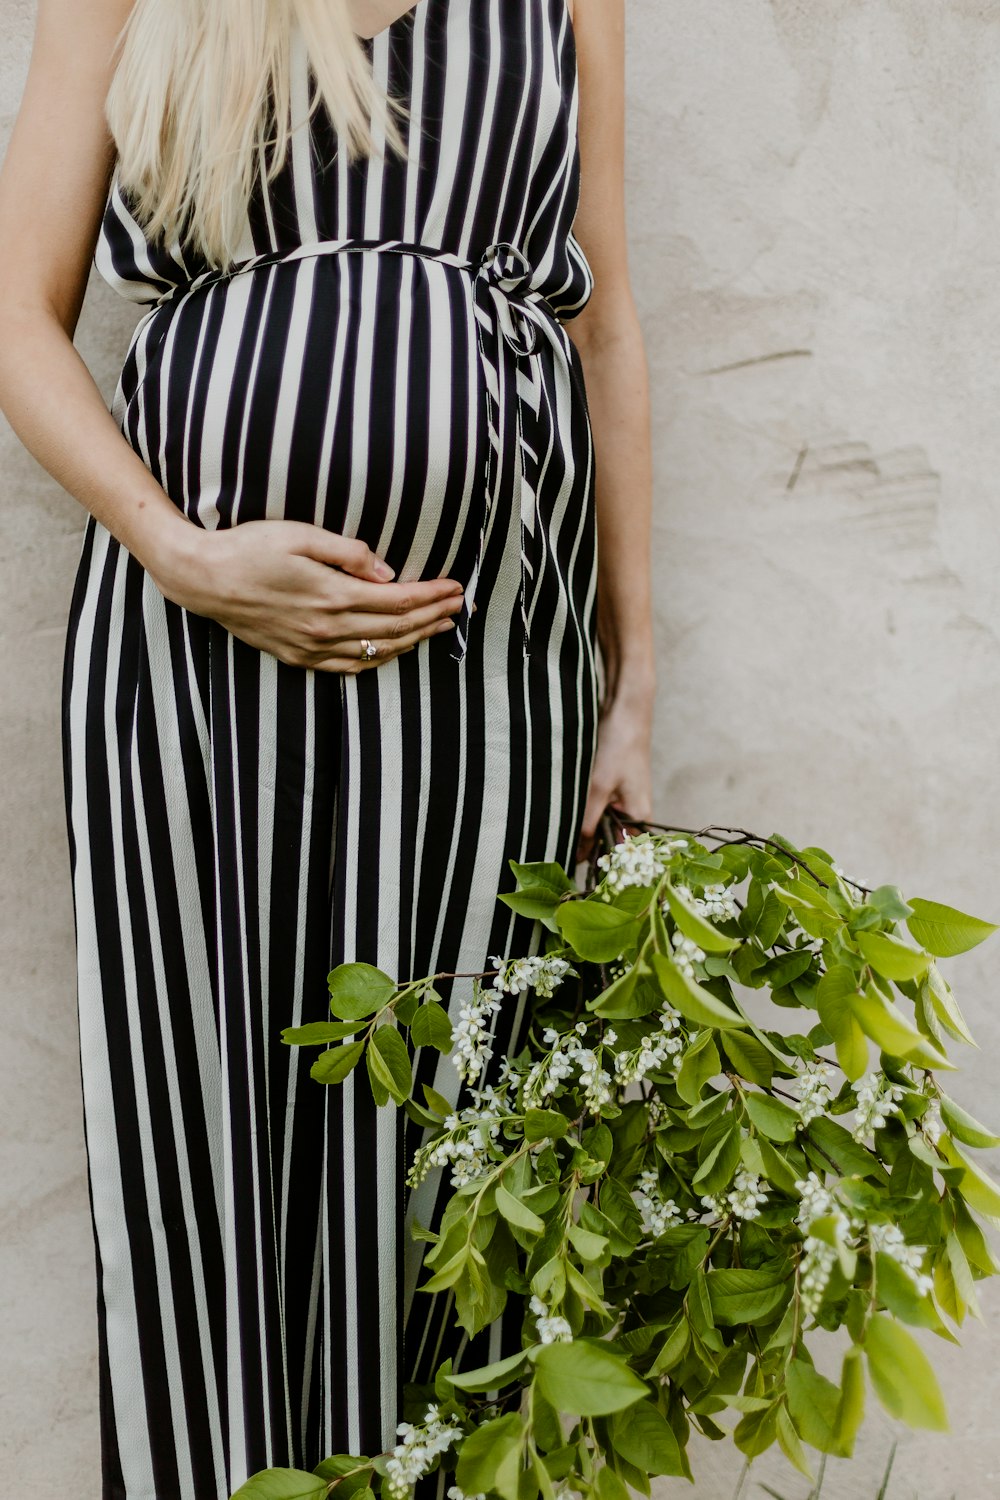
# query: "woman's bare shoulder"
[60,138]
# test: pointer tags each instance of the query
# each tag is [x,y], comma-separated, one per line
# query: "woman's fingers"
[352,624]
[394,599]
[387,651]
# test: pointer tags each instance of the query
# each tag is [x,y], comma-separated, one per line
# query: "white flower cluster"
[638,859]
[815,1091]
[656,1050]
[471,1034]
[658,1213]
[746,1195]
[456,1494]
[743,1200]
[931,1122]
[569,1056]
[551,1328]
[411,1459]
[463,1147]
[877,1100]
[888,1238]
[714,901]
[819,1258]
[540,972]
[686,953]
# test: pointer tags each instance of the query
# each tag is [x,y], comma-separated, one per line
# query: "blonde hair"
[201,90]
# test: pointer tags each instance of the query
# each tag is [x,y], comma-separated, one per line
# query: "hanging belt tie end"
[507,324]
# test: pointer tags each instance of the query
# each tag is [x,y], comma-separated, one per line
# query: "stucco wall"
[814,192]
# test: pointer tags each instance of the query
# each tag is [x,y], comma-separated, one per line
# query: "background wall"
[814,193]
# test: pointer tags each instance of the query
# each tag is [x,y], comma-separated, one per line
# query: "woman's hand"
[304,594]
[622,771]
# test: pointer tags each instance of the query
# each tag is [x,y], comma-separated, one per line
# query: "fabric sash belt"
[510,318]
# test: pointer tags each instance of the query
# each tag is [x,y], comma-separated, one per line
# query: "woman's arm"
[276,584]
[609,337]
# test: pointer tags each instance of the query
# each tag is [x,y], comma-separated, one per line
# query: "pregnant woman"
[338,648]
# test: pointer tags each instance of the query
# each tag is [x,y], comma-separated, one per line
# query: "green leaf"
[608,1486]
[631,995]
[749,1057]
[976,1186]
[889,902]
[902,1375]
[890,1030]
[833,1001]
[586,1379]
[944,1005]
[888,956]
[282,1484]
[849,1157]
[721,1157]
[814,1403]
[353,1475]
[964,1128]
[490,1457]
[588,1245]
[645,1438]
[692,999]
[746,1296]
[695,927]
[775,1168]
[851,1409]
[515,1212]
[358,990]
[772,1117]
[596,930]
[541,885]
[491,1377]
[334,1066]
[897,1291]
[431,1027]
[791,1447]
[700,1063]
[389,1062]
[542,1124]
[544,873]
[319,1033]
[944,931]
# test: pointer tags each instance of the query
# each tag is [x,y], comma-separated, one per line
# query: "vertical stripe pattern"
[239,826]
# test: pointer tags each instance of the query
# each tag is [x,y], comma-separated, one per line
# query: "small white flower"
[658,1213]
[714,901]
[539,972]
[411,1459]
[659,1049]
[746,1195]
[686,953]
[815,1091]
[888,1238]
[817,1202]
[638,859]
[931,1122]
[815,1269]
[877,1100]
[551,1328]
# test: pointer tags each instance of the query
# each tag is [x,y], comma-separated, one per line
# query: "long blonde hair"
[200,104]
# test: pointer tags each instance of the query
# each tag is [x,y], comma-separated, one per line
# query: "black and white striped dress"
[386,358]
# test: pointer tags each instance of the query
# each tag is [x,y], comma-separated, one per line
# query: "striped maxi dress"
[386,358]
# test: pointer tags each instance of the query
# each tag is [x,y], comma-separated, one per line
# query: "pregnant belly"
[348,396]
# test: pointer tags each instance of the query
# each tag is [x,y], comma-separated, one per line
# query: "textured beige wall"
[814,192]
